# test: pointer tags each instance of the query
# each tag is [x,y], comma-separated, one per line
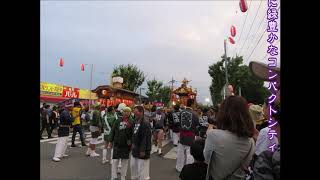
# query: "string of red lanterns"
[61,64]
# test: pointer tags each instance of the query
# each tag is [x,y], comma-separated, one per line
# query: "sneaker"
[65,155]
[55,159]
[83,144]
[178,170]
[94,154]
[88,152]
[104,161]
[73,145]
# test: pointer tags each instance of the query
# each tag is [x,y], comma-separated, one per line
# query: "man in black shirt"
[63,133]
[45,121]
[189,124]
[174,122]
[141,144]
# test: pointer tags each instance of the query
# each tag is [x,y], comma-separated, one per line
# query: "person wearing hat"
[63,134]
[255,113]
[76,123]
[95,129]
[119,113]
[120,140]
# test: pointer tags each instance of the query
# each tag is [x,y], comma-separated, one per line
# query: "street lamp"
[207,101]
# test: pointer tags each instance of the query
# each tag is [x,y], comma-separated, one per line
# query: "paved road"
[78,166]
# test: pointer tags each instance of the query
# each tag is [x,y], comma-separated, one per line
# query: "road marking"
[165,142]
[69,139]
[172,154]
[56,138]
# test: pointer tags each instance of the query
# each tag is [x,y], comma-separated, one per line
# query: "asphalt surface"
[80,167]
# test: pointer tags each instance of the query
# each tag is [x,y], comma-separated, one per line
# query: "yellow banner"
[50,89]
[85,94]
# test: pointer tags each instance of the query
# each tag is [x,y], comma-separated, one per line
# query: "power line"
[251,26]
[259,40]
[257,43]
[267,53]
[259,27]
[243,26]
[254,37]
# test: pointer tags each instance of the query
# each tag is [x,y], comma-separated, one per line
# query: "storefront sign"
[70,92]
[51,89]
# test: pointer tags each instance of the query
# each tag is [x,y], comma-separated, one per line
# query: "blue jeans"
[77,128]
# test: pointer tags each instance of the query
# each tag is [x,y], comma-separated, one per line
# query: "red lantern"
[243,5]
[231,40]
[82,67]
[233,31]
[61,62]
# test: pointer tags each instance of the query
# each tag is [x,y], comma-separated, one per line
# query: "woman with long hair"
[229,149]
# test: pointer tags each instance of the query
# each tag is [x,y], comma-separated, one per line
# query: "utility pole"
[90,85]
[226,68]
[172,81]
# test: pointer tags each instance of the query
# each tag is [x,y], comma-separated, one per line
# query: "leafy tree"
[158,92]
[153,89]
[239,76]
[164,94]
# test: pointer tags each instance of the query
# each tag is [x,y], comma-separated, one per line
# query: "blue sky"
[164,39]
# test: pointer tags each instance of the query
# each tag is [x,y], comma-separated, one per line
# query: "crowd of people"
[230,141]
[235,140]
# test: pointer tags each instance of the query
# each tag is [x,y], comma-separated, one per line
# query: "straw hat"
[261,70]
[255,108]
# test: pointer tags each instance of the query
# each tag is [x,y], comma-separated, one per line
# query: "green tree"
[132,76]
[239,76]
[153,91]
[164,94]
[158,92]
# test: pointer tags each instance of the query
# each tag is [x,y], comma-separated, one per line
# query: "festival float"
[111,95]
[183,93]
